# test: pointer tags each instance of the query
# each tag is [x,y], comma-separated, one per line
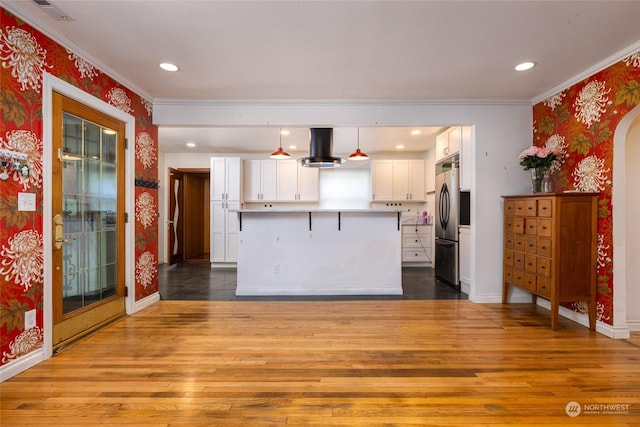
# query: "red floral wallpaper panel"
[580,121]
[24,55]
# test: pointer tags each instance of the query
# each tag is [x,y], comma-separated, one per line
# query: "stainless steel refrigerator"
[447,199]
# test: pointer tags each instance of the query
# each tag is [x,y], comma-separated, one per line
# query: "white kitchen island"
[319,252]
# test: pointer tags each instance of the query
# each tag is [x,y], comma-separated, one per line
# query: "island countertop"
[317,210]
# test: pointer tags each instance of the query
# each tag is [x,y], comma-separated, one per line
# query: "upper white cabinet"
[296,182]
[226,181]
[466,159]
[448,142]
[260,180]
[398,180]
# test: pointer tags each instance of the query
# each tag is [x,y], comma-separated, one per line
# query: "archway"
[626,233]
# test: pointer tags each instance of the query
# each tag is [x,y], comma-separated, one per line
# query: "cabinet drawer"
[509,240]
[415,241]
[543,287]
[517,225]
[518,277]
[531,245]
[544,267]
[530,207]
[531,226]
[544,227]
[508,274]
[530,282]
[510,207]
[531,263]
[521,208]
[544,208]
[518,260]
[508,257]
[544,247]
[519,242]
[414,255]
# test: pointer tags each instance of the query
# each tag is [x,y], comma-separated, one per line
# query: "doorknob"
[58,240]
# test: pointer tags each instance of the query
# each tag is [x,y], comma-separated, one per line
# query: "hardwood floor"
[332,363]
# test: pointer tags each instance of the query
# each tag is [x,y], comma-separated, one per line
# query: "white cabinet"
[260,180]
[466,159]
[296,182]
[416,243]
[398,180]
[464,246]
[448,142]
[226,182]
[225,178]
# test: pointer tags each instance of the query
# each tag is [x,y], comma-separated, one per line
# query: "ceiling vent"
[53,10]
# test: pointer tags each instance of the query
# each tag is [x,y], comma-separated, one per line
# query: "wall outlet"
[29,319]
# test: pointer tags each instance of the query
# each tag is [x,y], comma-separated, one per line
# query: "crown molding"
[605,63]
[21,12]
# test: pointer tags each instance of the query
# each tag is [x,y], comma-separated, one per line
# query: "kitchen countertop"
[317,210]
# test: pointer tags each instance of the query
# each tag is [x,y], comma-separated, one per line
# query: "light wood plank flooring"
[332,363]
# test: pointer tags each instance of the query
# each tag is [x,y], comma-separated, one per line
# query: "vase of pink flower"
[538,160]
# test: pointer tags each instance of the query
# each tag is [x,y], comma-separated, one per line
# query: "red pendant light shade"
[280,154]
[358,155]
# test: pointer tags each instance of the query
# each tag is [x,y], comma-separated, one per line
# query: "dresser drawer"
[521,208]
[509,240]
[531,245]
[530,281]
[544,247]
[531,263]
[508,274]
[518,260]
[518,277]
[545,208]
[530,207]
[531,226]
[416,241]
[544,227]
[414,255]
[544,267]
[543,287]
[508,257]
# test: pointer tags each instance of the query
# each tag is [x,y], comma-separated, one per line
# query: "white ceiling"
[366,50]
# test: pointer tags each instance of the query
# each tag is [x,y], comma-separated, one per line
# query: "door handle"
[58,240]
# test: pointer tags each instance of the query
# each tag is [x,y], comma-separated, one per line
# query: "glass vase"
[541,180]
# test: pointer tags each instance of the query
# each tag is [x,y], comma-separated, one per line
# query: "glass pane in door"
[89,194]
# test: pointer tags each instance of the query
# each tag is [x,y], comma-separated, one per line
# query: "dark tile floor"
[197,281]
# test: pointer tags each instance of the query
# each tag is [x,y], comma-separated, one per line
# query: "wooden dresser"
[550,248]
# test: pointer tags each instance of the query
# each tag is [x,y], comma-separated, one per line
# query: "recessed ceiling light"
[415,132]
[292,147]
[167,66]
[400,146]
[525,66]
[284,132]
[191,144]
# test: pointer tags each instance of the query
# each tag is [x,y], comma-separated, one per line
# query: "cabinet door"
[417,180]
[455,137]
[466,159]
[252,180]
[442,145]
[233,178]
[308,184]
[218,231]
[287,180]
[268,179]
[465,255]
[382,179]
[231,240]
[401,190]
[218,178]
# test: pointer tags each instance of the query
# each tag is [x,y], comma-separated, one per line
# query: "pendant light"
[280,154]
[358,155]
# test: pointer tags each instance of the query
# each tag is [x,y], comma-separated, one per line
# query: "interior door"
[176,220]
[88,203]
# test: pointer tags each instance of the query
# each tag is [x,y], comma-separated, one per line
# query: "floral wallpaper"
[580,121]
[24,55]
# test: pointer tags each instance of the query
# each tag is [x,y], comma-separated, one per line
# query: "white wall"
[632,226]
[503,130]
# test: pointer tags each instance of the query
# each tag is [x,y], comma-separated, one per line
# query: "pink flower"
[546,151]
[531,151]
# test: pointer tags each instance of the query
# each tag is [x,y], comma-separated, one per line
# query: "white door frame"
[51,84]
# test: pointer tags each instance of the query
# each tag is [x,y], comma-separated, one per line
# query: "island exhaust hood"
[321,150]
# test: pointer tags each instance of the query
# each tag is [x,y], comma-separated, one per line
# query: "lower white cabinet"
[224,231]
[416,243]
[464,248]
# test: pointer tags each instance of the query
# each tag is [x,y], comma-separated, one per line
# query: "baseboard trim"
[15,367]
[145,302]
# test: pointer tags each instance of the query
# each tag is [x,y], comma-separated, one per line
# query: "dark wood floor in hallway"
[197,281]
[332,363]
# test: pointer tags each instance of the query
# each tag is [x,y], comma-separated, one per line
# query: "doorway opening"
[188,215]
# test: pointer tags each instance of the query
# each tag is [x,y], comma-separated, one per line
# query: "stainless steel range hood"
[321,150]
